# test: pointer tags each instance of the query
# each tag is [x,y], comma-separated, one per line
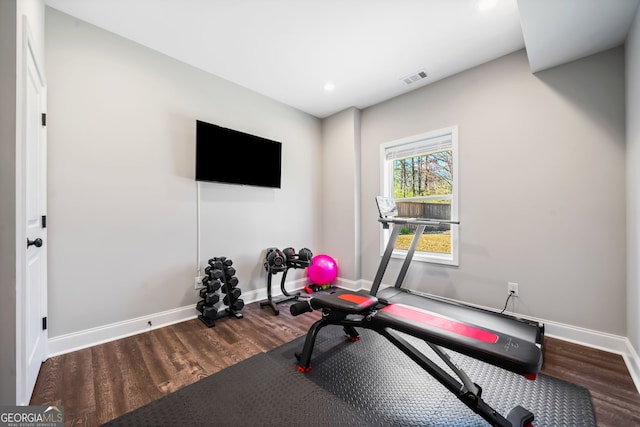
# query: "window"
[421,174]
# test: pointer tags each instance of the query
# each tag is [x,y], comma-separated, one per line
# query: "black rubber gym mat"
[363,383]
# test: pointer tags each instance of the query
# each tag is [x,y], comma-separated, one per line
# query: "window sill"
[429,257]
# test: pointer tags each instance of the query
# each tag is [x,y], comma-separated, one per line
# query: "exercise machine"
[504,341]
[355,310]
[523,328]
[277,261]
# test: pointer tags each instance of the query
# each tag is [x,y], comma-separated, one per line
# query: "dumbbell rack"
[281,262]
[219,275]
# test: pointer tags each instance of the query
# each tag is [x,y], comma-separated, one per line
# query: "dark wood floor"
[100,383]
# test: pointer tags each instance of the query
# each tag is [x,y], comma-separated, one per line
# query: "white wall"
[542,186]
[122,194]
[633,183]
[341,192]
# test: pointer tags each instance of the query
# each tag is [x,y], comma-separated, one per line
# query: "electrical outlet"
[197,282]
[512,287]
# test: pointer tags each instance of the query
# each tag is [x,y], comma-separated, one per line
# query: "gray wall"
[542,186]
[341,191]
[8,206]
[122,194]
[633,183]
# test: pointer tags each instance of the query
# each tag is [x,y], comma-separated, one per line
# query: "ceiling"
[289,50]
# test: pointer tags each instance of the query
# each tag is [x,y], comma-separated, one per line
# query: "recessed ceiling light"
[329,87]
[486,4]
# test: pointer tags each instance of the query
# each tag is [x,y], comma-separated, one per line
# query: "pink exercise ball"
[323,270]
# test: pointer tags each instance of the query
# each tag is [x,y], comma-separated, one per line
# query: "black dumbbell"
[224,260]
[235,293]
[210,312]
[213,284]
[289,253]
[275,258]
[211,298]
[229,271]
[237,305]
[215,273]
[215,263]
[305,254]
[208,269]
[200,306]
[232,282]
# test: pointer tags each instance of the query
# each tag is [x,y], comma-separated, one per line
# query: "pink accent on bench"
[356,299]
[440,323]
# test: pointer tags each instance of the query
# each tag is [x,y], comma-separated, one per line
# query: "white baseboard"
[349,285]
[587,337]
[94,336]
[600,340]
[82,339]
[101,334]
[633,364]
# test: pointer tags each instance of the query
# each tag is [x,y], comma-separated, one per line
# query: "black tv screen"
[233,157]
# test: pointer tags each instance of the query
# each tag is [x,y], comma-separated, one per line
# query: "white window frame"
[420,143]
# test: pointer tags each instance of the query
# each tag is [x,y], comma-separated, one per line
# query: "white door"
[34,180]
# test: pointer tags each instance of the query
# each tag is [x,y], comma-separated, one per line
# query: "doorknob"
[37,243]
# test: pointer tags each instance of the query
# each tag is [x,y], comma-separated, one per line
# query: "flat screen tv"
[233,157]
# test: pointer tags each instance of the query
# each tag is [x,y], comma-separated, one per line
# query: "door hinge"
[44,119]
[44,221]
[44,323]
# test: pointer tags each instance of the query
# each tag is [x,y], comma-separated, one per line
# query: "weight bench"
[350,310]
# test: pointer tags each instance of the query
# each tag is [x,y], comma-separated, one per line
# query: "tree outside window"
[420,173]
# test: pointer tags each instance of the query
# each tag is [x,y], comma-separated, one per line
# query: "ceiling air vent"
[412,78]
